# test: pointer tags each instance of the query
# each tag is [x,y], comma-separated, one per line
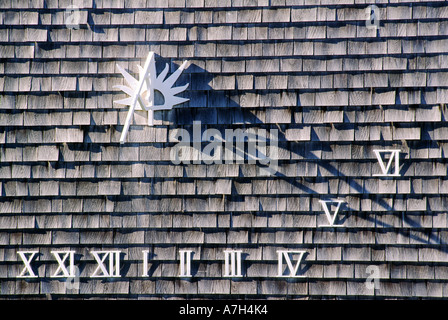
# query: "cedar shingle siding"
[334,89]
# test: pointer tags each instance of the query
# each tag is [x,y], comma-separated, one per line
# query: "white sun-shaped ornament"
[142,92]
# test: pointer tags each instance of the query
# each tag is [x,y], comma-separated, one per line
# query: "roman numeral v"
[331,217]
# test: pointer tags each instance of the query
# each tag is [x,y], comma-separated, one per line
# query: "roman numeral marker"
[283,254]
[331,217]
[113,269]
[394,154]
[185,263]
[62,269]
[27,271]
[232,263]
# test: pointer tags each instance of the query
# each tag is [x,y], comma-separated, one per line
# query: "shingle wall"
[334,89]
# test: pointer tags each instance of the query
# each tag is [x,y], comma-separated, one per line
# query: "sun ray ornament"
[142,91]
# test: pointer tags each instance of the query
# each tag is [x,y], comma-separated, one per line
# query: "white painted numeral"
[283,254]
[27,271]
[385,169]
[331,217]
[62,270]
[112,269]
[185,263]
[232,263]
